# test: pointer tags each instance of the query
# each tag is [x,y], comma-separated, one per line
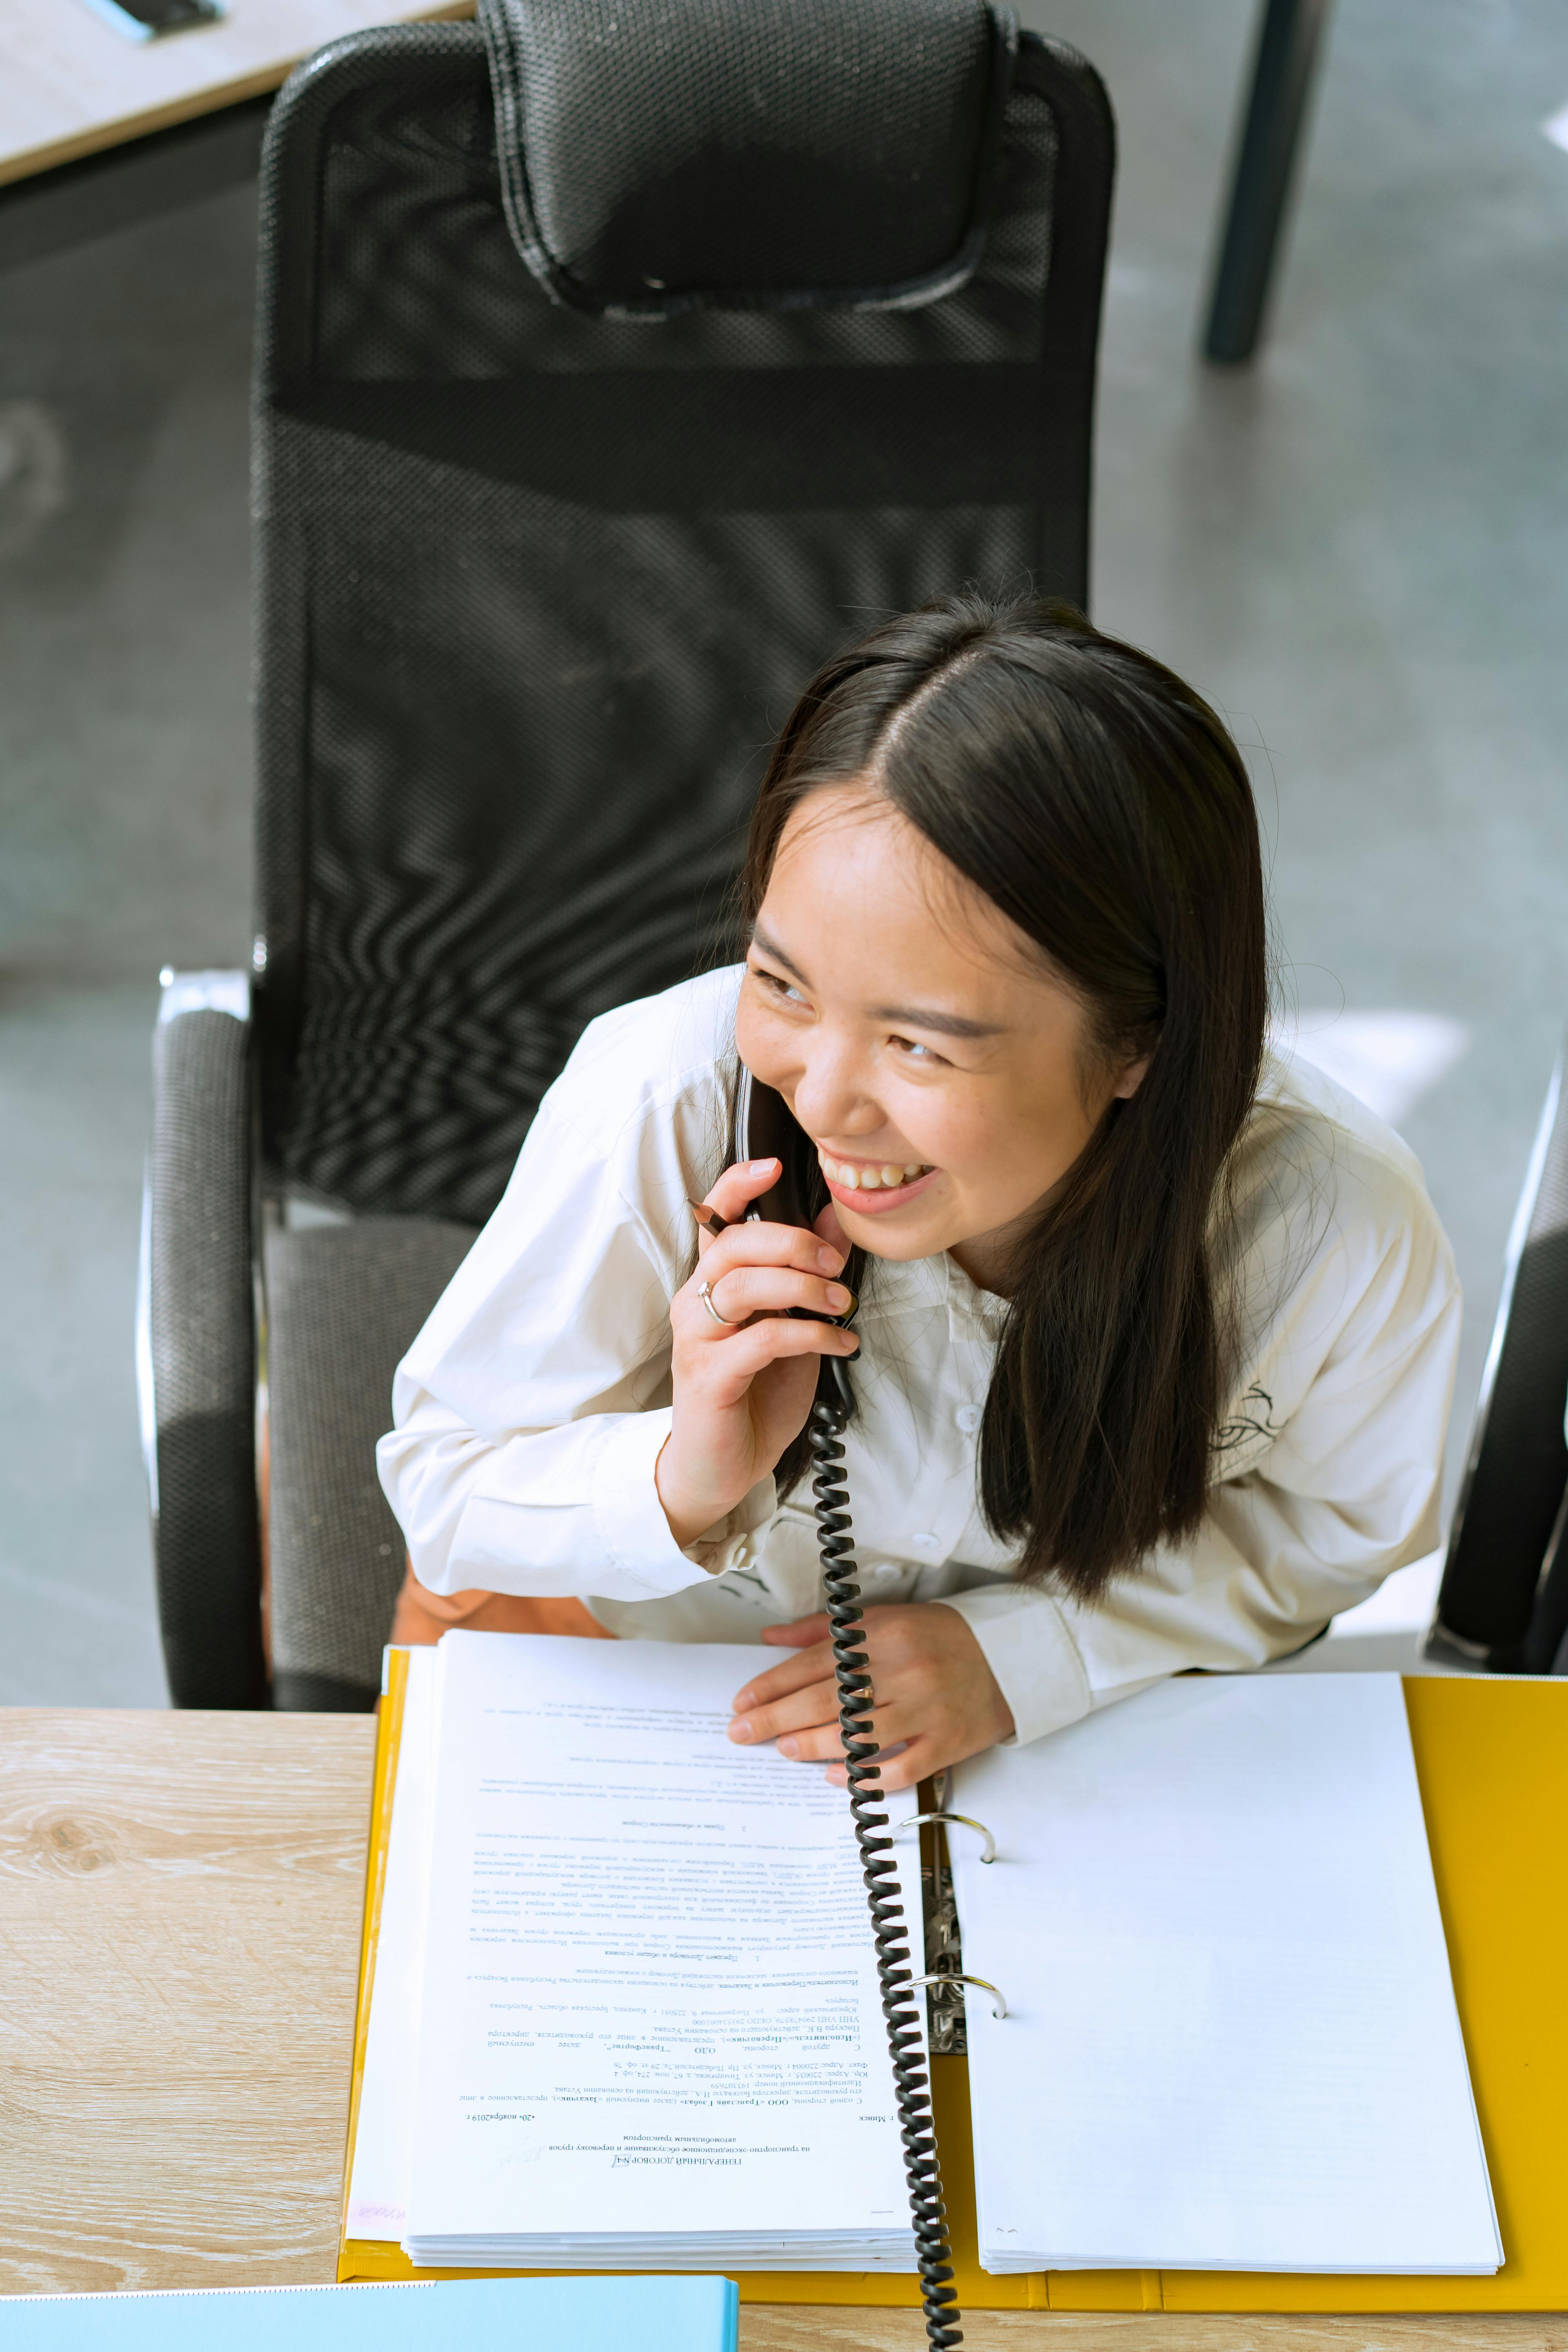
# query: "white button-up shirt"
[531,1409]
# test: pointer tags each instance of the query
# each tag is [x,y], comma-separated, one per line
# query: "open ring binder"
[953,1977]
[917,1821]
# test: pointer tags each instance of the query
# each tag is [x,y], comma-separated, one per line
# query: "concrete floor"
[1355,549]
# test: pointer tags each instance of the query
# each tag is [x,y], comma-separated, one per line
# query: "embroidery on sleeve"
[1245,1425]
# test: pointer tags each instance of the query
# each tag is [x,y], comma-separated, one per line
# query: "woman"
[1156,1347]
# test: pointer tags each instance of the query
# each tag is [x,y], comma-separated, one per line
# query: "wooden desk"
[71,85]
[179,1933]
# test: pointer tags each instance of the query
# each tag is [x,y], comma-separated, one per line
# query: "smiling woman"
[997,859]
[1157,1336]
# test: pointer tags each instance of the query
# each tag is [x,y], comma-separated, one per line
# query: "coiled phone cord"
[841,1582]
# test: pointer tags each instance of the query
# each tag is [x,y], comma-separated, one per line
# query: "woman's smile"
[872,1186]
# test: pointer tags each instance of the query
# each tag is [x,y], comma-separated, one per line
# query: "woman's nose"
[830,1098]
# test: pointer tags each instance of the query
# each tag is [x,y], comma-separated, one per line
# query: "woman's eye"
[776,985]
[913,1051]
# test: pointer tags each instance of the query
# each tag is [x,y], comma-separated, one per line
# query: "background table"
[179,1934]
[97,132]
[71,85]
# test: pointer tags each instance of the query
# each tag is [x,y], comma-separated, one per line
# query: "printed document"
[1231,2039]
[648,2025]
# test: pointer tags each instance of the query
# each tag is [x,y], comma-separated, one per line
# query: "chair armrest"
[196,1345]
[1512,1491]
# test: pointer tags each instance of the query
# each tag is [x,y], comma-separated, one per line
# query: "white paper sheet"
[383,2137]
[650,2004]
[1233,2042]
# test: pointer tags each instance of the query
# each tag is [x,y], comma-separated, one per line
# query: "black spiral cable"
[841,1583]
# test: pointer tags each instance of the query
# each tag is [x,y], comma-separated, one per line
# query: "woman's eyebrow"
[914,1016]
[769,948]
[946,1024]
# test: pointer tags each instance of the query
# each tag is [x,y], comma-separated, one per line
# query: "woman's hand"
[931,1691]
[744,1387]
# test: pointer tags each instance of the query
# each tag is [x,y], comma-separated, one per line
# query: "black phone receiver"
[766,1128]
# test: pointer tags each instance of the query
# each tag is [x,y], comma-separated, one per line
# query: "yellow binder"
[1492,1761]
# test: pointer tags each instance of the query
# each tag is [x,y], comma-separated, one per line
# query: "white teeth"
[870,1180]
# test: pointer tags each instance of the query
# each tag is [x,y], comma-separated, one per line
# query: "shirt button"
[926,1540]
[885,1573]
[968,1418]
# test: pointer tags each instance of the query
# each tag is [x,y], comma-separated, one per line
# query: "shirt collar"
[915,1286]
[972,1313]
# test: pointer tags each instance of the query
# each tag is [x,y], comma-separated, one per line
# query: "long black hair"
[1103,807]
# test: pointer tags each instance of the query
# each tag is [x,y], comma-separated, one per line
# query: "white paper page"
[1233,2041]
[383,2137]
[650,1995]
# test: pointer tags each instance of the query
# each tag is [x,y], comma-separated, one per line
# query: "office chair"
[578,445]
[1503,1601]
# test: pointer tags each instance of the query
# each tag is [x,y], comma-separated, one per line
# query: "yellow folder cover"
[1493,1760]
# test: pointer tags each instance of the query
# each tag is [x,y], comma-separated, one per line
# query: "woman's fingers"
[932,1688]
[729,1371]
[772,1291]
[772,1245]
[821,1742]
[805,1725]
[891,1726]
[739,1186]
[915,1763]
[815,1703]
[812,1662]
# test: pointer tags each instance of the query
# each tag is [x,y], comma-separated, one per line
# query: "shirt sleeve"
[531,1409]
[1340,1433]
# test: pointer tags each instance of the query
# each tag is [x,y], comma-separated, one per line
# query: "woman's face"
[917,1035]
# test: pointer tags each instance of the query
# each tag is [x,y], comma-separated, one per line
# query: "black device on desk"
[143,20]
[766,1128]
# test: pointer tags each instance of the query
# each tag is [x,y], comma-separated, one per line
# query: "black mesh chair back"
[1503,1602]
[536,585]
[576,450]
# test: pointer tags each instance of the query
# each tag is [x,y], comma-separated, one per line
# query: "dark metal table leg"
[1288,40]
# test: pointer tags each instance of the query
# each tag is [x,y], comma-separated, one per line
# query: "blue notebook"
[567,2314]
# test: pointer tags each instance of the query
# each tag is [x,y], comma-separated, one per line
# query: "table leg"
[1288,40]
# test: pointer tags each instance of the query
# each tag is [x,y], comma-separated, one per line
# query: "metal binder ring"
[1000,2008]
[705,1292]
[916,1820]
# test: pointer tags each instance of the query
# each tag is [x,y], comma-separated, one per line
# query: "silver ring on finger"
[731,1322]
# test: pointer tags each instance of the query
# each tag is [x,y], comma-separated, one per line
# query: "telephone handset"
[766,1128]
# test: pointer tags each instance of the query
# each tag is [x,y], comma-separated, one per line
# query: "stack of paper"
[625,2012]
[636,1969]
[1232,2041]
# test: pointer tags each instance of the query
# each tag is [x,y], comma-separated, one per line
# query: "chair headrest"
[664,155]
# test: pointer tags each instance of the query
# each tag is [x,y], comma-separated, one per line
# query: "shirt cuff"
[629,1518]
[731,1541]
[1031,1654]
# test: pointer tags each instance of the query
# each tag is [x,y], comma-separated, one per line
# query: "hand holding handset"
[766,1128]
